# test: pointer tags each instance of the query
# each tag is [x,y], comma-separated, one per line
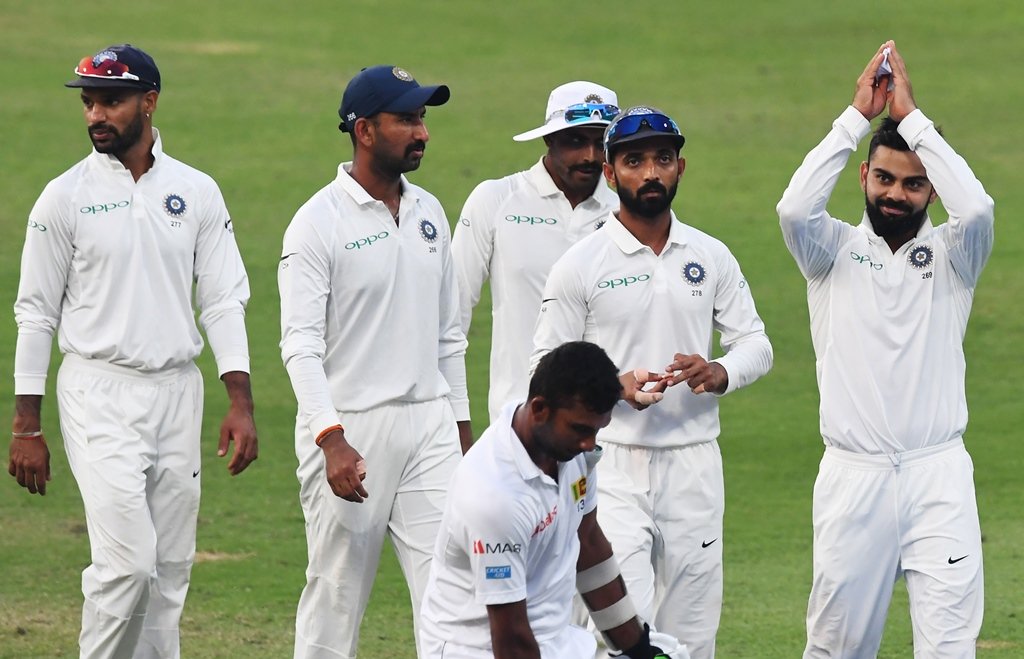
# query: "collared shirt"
[513,230]
[109,264]
[887,327]
[509,533]
[369,309]
[643,308]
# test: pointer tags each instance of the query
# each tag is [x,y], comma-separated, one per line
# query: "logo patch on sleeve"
[579,489]
[498,572]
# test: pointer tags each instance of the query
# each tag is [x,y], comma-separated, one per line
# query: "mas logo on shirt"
[428,231]
[481,547]
[498,572]
[174,205]
[921,257]
[694,273]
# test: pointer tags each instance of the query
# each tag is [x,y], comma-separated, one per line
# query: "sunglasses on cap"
[110,69]
[581,112]
[631,124]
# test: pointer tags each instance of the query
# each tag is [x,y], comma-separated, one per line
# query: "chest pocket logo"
[694,273]
[175,206]
[921,257]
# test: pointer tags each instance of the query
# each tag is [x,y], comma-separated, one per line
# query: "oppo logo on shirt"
[367,241]
[530,219]
[623,281]
[103,208]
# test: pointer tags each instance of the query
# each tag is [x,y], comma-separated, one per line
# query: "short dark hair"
[887,135]
[577,370]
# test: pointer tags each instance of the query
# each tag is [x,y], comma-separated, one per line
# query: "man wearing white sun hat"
[513,229]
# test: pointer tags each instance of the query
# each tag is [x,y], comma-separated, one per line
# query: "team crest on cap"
[103,56]
[694,273]
[920,257]
[175,205]
[593,98]
[401,74]
[428,231]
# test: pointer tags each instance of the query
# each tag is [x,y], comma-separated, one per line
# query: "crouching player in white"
[520,534]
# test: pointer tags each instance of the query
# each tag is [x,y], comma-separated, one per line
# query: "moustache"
[896,206]
[586,169]
[416,146]
[653,186]
[97,128]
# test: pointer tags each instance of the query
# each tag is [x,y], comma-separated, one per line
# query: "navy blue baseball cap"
[385,88]
[122,65]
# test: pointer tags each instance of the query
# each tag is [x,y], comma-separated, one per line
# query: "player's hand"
[240,428]
[871,93]
[344,467]
[633,383]
[30,463]
[465,435]
[901,98]
[699,374]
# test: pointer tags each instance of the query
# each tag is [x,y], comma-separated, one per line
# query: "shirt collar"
[352,188]
[628,243]
[524,465]
[110,161]
[540,178]
[869,229]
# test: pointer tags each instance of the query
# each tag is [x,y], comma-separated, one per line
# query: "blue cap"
[122,65]
[385,88]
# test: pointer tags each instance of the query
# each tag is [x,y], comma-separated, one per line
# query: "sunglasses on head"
[581,112]
[104,68]
[632,123]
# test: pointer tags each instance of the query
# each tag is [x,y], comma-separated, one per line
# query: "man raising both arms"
[513,229]
[889,301]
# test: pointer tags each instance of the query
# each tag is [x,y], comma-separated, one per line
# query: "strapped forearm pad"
[598,575]
[612,616]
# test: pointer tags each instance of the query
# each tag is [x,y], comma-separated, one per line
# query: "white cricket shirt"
[509,533]
[109,264]
[512,230]
[888,328]
[369,309]
[643,308]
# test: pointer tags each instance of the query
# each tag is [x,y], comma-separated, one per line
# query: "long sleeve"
[563,312]
[451,337]
[969,231]
[222,287]
[472,247]
[45,259]
[811,234]
[748,352]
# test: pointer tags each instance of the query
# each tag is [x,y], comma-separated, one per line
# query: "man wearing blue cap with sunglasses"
[513,229]
[113,248]
[652,292]
[366,278]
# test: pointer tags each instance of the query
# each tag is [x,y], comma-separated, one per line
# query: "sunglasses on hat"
[581,112]
[93,67]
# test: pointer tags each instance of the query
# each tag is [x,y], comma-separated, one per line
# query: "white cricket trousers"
[662,511]
[132,441]
[411,451]
[879,517]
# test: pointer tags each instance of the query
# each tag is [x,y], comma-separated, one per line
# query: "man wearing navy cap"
[366,279]
[111,253]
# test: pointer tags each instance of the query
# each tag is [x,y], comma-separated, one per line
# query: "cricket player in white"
[112,250]
[520,532]
[513,229]
[889,301]
[652,291]
[366,279]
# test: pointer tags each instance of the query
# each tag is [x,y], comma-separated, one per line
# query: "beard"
[887,226]
[118,142]
[648,207]
[393,166]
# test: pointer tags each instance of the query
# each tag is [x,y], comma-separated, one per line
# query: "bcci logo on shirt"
[694,273]
[174,205]
[920,257]
[428,231]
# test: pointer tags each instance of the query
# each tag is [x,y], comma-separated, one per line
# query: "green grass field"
[250,96]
